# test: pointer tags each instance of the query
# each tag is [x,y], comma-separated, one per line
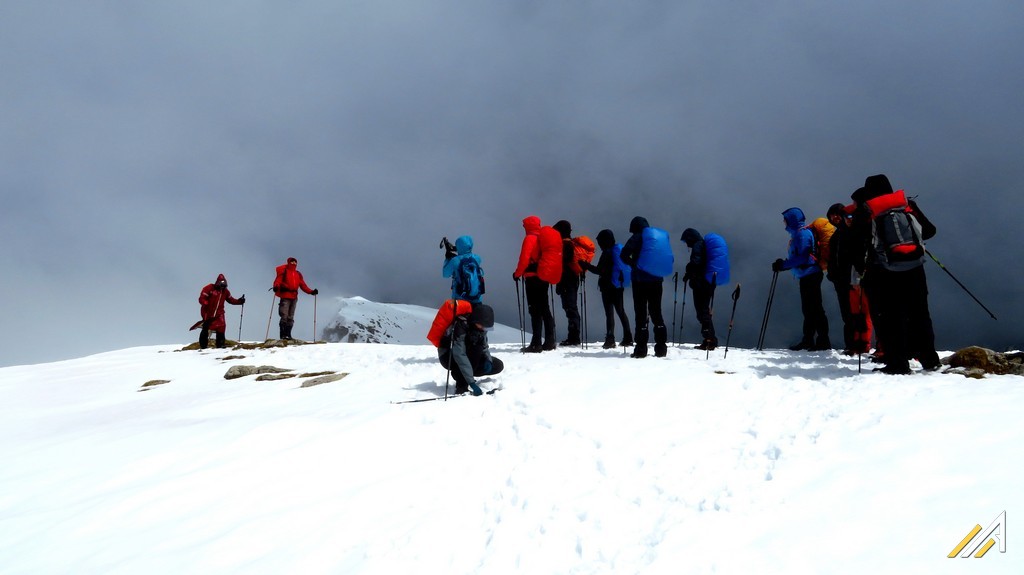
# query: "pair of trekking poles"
[521,299]
[269,318]
[711,307]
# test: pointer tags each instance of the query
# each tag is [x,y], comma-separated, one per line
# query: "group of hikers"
[871,250]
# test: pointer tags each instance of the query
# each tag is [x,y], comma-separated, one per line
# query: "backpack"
[822,229]
[549,255]
[896,235]
[445,317]
[656,253]
[583,249]
[468,280]
[716,254]
[621,273]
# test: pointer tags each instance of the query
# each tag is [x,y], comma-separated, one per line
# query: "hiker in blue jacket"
[453,258]
[802,260]
[647,291]
[702,289]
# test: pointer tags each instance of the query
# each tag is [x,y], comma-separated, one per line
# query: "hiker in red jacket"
[211,300]
[287,284]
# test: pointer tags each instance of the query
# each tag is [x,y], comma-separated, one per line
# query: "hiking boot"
[609,342]
[707,345]
[569,342]
[626,341]
[548,346]
[822,345]
[660,350]
[893,370]
[532,348]
[639,352]
[804,344]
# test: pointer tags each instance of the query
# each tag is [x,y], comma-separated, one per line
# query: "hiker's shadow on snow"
[820,366]
[416,360]
[430,387]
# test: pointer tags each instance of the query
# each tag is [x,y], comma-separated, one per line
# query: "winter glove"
[777,265]
[241,300]
[206,324]
[314,292]
[515,277]
[686,278]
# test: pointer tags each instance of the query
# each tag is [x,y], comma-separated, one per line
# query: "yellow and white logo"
[978,542]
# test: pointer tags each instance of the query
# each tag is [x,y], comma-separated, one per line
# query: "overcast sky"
[147,147]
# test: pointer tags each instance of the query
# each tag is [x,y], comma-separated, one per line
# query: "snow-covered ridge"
[363,321]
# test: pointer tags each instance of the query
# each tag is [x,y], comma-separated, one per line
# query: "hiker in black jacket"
[612,278]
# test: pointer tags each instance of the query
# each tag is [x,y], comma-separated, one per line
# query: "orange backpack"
[446,314]
[583,249]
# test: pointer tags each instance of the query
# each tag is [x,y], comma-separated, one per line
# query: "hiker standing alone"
[287,284]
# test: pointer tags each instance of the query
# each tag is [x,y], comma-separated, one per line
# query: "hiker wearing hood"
[287,284]
[540,266]
[703,290]
[211,302]
[803,263]
[647,291]
[613,277]
[568,287]
[472,287]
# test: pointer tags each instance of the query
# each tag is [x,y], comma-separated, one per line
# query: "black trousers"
[849,329]
[904,324]
[647,307]
[541,321]
[702,295]
[815,320]
[611,298]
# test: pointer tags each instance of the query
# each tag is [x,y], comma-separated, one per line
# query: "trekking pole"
[735,298]
[241,315]
[519,308]
[682,314]
[451,348]
[273,298]
[314,318]
[586,324]
[962,286]
[767,311]
[675,294]
[711,310]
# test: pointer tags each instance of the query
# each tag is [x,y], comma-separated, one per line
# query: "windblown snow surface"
[586,461]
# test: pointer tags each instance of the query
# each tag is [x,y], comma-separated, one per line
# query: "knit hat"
[564,228]
[482,314]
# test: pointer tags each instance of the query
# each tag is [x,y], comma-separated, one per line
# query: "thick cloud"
[149,148]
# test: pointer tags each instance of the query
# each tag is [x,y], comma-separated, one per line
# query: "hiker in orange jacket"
[287,284]
[540,264]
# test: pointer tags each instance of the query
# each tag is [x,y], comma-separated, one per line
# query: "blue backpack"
[717,258]
[656,253]
[620,271]
[468,280]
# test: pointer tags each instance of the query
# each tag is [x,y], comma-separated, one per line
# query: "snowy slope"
[585,462]
[363,321]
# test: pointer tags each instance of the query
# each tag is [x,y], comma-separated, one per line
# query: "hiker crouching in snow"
[211,301]
[463,347]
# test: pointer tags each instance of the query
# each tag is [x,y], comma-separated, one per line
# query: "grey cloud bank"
[148,148]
